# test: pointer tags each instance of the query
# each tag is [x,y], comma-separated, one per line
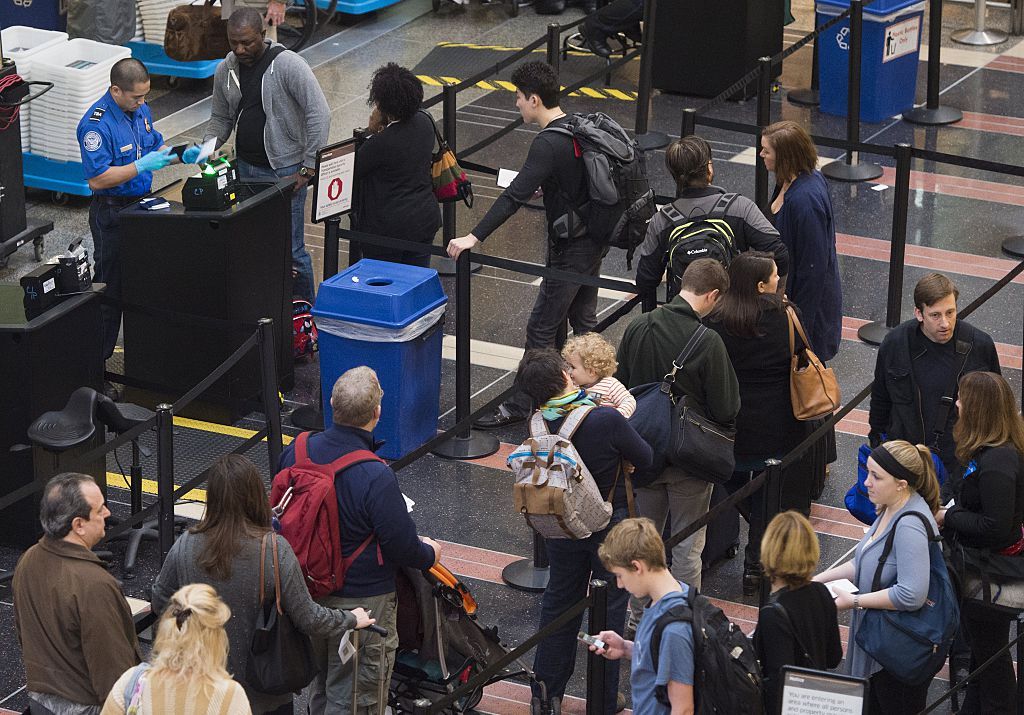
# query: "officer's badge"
[92,141]
[145,120]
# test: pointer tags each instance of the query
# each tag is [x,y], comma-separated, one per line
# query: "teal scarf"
[558,407]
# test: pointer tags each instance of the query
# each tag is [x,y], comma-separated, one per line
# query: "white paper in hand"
[206,149]
[844,584]
[409,503]
[345,649]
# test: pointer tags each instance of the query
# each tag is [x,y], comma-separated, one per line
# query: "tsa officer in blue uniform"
[120,151]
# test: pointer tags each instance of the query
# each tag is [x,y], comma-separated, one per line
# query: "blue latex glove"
[190,155]
[154,160]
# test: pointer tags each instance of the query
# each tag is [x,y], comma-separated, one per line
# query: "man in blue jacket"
[369,503]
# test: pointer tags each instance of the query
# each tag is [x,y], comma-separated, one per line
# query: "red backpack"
[305,503]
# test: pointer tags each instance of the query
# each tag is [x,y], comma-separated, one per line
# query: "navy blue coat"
[806,225]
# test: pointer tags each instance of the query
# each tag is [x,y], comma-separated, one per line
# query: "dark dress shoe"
[497,419]
[598,45]
[752,581]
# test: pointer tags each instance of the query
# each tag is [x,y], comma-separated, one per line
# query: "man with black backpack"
[703,222]
[377,536]
[578,233]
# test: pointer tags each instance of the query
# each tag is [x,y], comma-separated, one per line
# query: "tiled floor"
[958,218]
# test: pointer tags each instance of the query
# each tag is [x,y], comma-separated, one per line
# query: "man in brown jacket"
[74,625]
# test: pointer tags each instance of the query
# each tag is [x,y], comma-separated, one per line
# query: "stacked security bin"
[80,72]
[154,18]
[889,56]
[387,316]
[20,44]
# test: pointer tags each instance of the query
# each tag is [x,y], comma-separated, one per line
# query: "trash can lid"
[389,295]
[877,8]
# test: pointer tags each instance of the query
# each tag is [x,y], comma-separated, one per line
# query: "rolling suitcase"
[722,540]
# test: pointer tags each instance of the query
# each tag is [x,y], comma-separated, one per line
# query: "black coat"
[765,426]
[989,505]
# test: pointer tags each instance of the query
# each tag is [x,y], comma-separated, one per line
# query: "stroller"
[440,643]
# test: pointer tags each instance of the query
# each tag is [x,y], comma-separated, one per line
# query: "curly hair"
[396,91]
[596,353]
[537,78]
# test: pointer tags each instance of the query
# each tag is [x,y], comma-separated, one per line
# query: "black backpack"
[620,200]
[699,236]
[726,674]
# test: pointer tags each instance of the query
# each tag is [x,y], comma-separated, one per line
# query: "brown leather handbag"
[813,388]
[196,32]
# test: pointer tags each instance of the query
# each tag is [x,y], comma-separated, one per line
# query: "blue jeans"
[302,264]
[572,565]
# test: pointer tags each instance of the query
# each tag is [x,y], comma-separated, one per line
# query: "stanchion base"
[971,36]
[1014,246]
[308,417]
[841,171]
[873,333]
[446,266]
[652,141]
[933,117]
[805,97]
[474,445]
[524,576]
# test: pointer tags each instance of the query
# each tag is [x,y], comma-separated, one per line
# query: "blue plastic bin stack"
[889,57]
[387,316]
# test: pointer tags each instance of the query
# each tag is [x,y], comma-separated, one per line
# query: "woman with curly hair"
[394,196]
[188,673]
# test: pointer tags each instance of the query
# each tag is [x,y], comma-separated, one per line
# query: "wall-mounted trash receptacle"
[889,56]
[389,317]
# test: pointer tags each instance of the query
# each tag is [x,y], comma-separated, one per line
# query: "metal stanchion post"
[165,478]
[471,444]
[979,34]
[689,127]
[271,403]
[444,265]
[648,140]
[596,664]
[808,96]
[764,118]
[875,331]
[554,52]
[851,169]
[771,502]
[931,113]
[529,574]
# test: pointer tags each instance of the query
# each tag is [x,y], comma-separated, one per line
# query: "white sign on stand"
[335,175]
[815,692]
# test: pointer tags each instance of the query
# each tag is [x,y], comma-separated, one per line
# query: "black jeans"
[617,16]
[994,691]
[796,494]
[559,300]
[106,240]
[889,696]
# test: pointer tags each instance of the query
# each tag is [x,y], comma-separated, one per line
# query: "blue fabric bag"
[652,420]
[912,645]
[857,502]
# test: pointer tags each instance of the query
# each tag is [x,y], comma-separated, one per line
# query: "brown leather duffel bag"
[196,32]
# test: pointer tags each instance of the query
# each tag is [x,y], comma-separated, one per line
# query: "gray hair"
[355,396]
[63,501]
[245,18]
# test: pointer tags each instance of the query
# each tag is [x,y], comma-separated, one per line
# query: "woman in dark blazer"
[799,625]
[987,515]
[802,212]
[752,320]
[394,196]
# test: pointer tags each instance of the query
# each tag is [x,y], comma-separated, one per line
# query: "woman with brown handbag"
[751,318]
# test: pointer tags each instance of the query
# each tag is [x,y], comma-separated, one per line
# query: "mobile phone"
[590,640]
[178,150]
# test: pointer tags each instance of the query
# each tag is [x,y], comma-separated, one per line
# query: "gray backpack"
[554,490]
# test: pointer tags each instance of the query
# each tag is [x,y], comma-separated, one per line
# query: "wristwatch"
[856,601]
[305,172]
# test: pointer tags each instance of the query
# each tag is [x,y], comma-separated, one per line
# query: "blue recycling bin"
[889,55]
[387,316]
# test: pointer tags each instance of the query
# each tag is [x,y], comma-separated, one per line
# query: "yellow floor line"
[115,480]
[222,429]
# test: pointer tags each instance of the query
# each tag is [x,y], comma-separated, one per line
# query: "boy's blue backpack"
[857,502]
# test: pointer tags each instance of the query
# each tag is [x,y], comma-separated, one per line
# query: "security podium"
[194,285]
[42,361]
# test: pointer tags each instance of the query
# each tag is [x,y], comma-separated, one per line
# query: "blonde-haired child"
[591,361]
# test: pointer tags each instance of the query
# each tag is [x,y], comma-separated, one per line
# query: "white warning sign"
[901,38]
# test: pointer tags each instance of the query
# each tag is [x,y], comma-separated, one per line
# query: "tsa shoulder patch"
[97,114]
[92,141]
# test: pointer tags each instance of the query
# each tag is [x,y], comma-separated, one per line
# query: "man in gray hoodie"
[272,101]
